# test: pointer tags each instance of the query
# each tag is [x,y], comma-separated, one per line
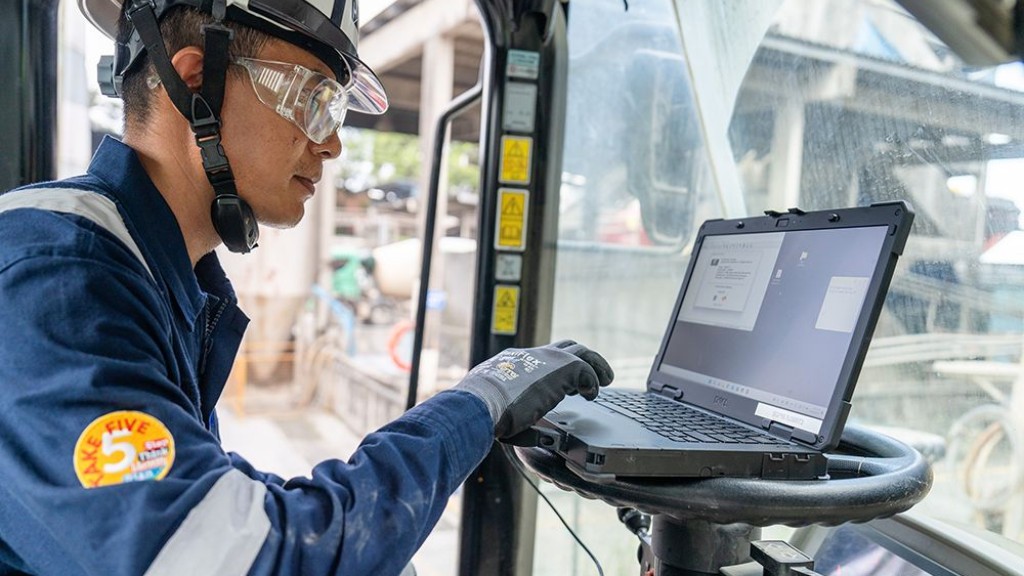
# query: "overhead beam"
[404,36]
[928,105]
[402,92]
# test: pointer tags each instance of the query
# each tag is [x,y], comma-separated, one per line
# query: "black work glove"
[520,386]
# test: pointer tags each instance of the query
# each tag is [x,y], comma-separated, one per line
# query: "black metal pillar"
[28,106]
[496,509]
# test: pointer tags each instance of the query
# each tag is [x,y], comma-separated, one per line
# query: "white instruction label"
[520,107]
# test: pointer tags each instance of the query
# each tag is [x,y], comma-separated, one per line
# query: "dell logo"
[722,401]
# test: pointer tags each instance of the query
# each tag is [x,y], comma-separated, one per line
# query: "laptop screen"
[768,318]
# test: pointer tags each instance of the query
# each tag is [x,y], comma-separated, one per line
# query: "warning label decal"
[506,309]
[516,157]
[513,206]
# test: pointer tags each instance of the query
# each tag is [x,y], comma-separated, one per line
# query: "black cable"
[519,468]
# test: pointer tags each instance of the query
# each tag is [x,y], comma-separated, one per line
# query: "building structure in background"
[407,40]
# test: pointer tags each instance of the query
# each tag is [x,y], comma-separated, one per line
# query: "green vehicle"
[350,266]
[353,284]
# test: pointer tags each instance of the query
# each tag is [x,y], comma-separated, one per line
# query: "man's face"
[274,163]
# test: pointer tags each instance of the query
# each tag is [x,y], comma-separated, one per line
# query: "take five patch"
[122,447]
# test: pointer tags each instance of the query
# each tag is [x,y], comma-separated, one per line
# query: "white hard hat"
[327,28]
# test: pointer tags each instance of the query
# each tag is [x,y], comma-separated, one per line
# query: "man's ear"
[188,62]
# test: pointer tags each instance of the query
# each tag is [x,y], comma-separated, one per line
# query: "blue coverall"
[88,333]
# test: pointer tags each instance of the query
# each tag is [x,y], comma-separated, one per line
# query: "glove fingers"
[604,371]
[587,383]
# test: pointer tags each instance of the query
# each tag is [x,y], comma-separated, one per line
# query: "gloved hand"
[520,386]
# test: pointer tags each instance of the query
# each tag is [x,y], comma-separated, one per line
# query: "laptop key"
[702,437]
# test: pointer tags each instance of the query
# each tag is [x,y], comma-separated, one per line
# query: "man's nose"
[330,149]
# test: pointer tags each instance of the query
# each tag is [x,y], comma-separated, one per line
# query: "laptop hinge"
[666,390]
[789,433]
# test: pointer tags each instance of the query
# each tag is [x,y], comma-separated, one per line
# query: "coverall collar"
[152,222]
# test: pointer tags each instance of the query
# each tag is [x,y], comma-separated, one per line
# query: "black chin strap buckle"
[206,128]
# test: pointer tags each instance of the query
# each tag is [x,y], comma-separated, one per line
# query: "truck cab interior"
[608,131]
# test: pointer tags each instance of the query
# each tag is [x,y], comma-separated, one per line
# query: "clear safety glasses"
[313,102]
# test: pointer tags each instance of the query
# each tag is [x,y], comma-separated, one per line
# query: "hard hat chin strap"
[232,216]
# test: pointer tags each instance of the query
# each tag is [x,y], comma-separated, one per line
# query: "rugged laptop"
[761,354]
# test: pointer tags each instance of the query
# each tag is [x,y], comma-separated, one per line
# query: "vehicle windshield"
[683,111]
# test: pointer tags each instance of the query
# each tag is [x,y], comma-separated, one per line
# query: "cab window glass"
[636,176]
[847,103]
[835,103]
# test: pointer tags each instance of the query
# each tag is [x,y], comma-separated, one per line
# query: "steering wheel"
[870,476]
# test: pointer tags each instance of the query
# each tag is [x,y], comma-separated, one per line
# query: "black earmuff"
[235,223]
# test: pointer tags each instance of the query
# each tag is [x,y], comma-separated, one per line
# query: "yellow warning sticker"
[513,206]
[506,309]
[122,447]
[516,153]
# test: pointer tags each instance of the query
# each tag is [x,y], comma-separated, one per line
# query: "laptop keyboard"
[679,422]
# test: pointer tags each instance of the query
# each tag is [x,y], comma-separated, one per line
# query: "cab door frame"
[28,36]
[525,51]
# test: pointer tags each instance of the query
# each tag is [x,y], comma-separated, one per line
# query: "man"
[119,326]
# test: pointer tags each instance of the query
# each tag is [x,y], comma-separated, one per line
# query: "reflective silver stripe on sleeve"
[222,535]
[91,205]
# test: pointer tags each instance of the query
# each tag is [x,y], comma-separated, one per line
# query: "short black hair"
[181,27]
